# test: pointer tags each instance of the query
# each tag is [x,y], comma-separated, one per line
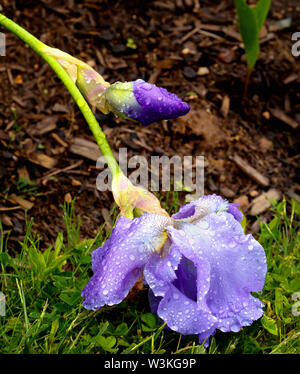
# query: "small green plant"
[131,44]
[26,186]
[251,20]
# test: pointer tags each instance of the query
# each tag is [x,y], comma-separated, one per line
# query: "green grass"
[44,312]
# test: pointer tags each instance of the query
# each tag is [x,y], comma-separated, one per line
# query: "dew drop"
[235,328]
[80,102]
[203,224]
[146,86]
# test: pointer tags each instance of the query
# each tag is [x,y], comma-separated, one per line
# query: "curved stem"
[93,124]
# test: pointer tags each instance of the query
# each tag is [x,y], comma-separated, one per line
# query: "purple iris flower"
[200,267]
[144,102]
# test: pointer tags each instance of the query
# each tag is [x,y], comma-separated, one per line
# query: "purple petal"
[198,209]
[205,336]
[159,272]
[245,317]
[157,103]
[183,314]
[186,280]
[193,275]
[229,264]
[119,263]
[98,254]
[233,209]
[185,211]
[153,301]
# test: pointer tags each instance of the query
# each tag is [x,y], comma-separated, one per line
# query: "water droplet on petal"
[235,328]
[146,86]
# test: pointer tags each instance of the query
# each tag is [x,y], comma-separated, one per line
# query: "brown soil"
[173,40]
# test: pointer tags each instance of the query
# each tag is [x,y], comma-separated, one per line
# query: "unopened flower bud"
[144,102]
[132,199]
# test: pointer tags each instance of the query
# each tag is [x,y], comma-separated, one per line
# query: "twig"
[55,172]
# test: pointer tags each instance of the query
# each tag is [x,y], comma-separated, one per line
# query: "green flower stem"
[38,46]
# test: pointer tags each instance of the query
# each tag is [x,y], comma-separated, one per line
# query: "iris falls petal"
[219,268]
[119,263]
[182,314]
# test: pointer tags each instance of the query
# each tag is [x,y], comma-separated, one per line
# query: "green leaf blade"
[249,31]
[261,11]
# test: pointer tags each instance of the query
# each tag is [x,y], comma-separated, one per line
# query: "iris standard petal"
[233,209]
[125,253]
[185,211]
[198,209]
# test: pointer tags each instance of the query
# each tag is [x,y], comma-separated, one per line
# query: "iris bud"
[133,200]
[144,102]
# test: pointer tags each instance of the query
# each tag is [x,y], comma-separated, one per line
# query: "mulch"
[193,49]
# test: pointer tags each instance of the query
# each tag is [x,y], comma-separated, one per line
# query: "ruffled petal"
[119,263]
[183,314]
[198,209]
[245,317]
[229,265]
[204,337]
